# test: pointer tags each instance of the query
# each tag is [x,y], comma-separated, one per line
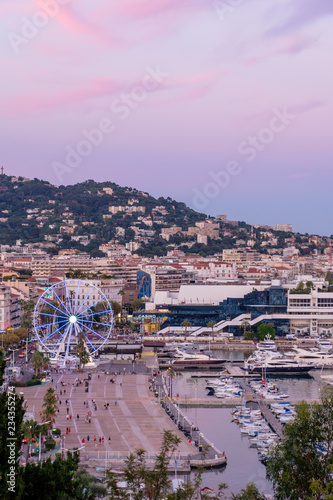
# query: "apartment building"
[9,308]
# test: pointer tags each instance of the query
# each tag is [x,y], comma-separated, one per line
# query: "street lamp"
[40,440]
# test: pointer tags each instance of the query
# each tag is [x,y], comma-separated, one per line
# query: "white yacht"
[319,359]
[183,358]
[267,345]
[324,345]
[275,363]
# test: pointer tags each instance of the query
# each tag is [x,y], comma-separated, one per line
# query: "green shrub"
[33,382]
[56,432]
[18,383]
[49,445]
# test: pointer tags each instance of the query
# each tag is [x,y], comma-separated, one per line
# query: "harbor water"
[243,464]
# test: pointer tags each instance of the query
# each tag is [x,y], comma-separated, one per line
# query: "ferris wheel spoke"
[50,324]
[61,302]
[77,296]
[63,335]
[95,313]
[52,305]
[92,331]
[52,315]
[51,334]
[67,295]
[97,301]
[85,300]
[94,322]
[69,339]
[88,340]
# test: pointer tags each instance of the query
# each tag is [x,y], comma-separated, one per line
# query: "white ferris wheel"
[70,312]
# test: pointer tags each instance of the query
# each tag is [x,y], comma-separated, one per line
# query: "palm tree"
[50,408]
[187,324]
[211,325]
[245,324]
[31,429]
[82,352]
[39,362]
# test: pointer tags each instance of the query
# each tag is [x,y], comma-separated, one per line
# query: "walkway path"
[136,421]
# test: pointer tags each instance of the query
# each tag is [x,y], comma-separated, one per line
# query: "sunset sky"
[225,105]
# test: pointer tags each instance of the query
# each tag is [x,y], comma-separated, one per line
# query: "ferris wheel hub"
[73,319]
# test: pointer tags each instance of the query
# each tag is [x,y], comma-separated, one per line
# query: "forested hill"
[30,210]
[86,215]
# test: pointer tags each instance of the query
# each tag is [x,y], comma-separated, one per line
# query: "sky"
[223,104]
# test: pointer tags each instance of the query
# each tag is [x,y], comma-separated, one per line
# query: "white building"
[9,308]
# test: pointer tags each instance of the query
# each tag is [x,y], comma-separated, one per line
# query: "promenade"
[135,421]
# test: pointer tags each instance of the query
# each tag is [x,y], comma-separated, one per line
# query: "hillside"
[88,215]
[34,211]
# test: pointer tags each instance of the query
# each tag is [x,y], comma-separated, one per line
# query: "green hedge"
[33,382]
[49,445]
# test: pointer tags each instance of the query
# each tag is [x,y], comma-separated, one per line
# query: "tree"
[136,304]
[329,278]
[264,330]
[39,362]
[300,466]
[54,480]
[145,483]
[31,430]
[251,492]
[27,307]
[116,307]
[50,407]
[11,411]
[87,487]
[186,323]
[245,324]
[211,325]
[82,352]
[309,285]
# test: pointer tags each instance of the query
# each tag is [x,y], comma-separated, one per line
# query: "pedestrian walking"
[83,440]
[100,440]
[88,438]
[70,417]
[69,429]
[78,416]
[67,417]
[115,402]
[67,411]
[109,439]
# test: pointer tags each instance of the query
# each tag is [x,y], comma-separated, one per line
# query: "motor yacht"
[275,363]
[267,345]
[186,359]
[319,359]
[324,345]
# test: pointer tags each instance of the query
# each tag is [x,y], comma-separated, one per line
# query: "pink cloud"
[284,46]
[146,8]
[196,84]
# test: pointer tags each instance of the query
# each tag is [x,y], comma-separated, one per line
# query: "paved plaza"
[133,419]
